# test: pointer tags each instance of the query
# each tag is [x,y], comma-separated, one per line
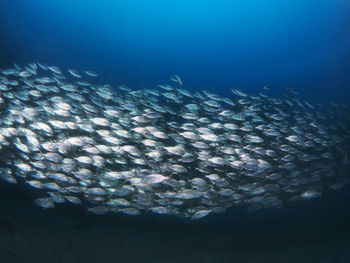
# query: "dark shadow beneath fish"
[7,226]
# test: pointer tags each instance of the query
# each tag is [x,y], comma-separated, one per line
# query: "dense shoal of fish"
[164,149]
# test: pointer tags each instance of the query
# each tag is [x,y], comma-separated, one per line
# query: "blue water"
[212,45]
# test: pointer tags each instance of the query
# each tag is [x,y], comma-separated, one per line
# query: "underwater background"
[211,45]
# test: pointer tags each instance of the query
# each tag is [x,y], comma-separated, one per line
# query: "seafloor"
[315,231]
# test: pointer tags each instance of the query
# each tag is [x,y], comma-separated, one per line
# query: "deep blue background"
[213,45]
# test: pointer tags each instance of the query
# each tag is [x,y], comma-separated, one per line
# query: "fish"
[55,69]
[74,73]
[165,150]
[177,79]
[91,73]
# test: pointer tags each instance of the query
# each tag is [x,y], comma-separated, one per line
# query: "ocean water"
[213,46]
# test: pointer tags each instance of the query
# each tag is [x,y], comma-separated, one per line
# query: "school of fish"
[165,149]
